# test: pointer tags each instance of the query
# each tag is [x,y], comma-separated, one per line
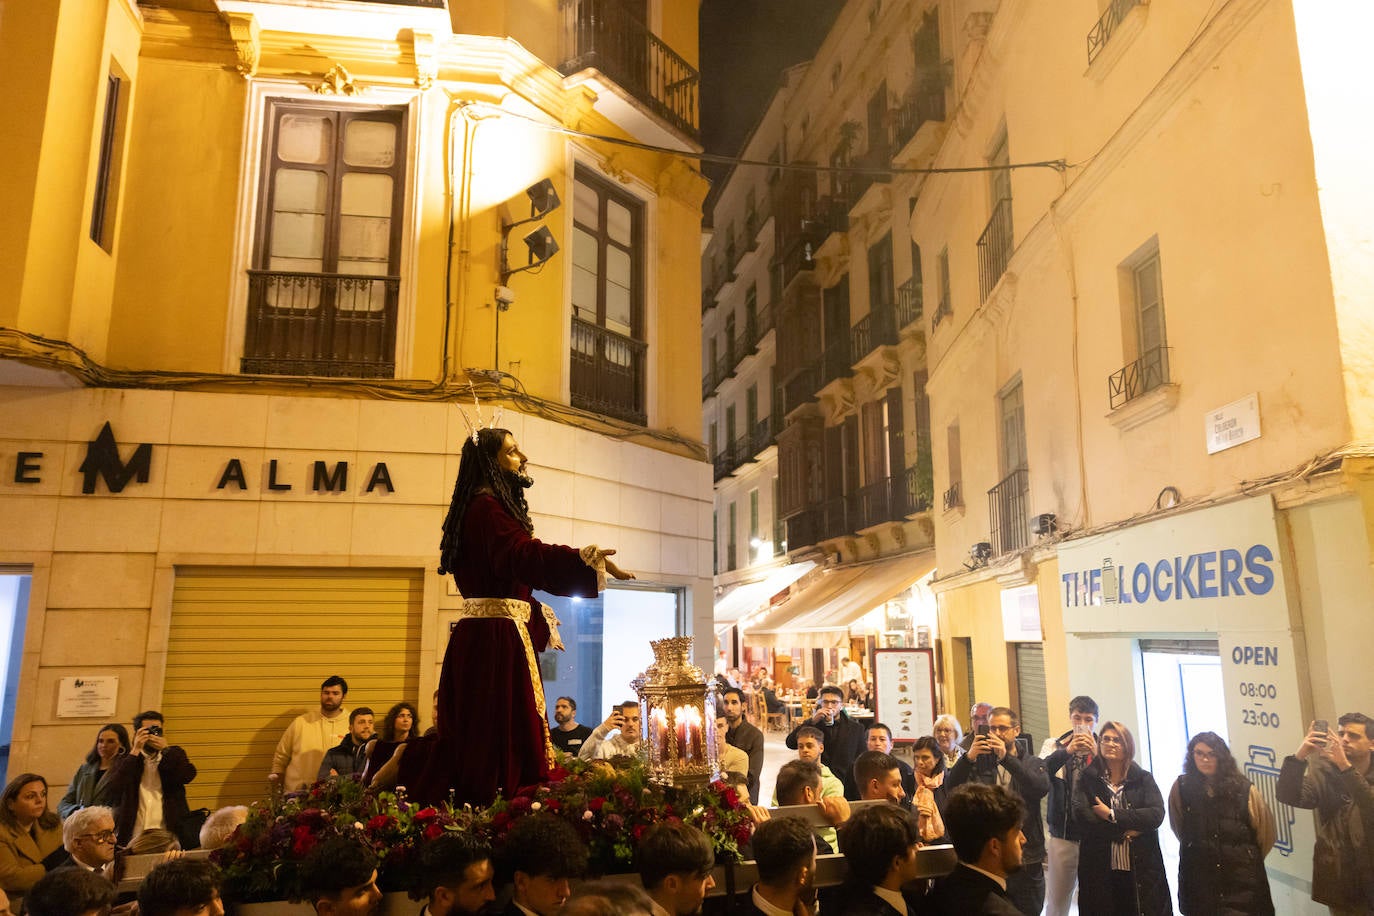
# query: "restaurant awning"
[820,616]
[751,596]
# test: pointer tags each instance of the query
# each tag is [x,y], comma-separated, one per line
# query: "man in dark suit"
[88,835]
[456,876]
[984,824]
[541,856]
[147,786]
[880,849]
[785,850]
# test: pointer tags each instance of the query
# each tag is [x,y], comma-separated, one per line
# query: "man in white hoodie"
[296,762]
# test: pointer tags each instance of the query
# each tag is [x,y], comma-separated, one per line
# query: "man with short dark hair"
[623,721]
[1065,757]
[984,824]
[302,747]
[70,892]
[1332,773]
[569,735]
[181,887]
[339,878]
[880,849]
[675,863]
[346,757]
[785,852]
[88,835]
[878,777]
[879,738]
[998,758]
[744,736]
[147,786]
[455,876]
[542,854]
[799,783]
[811,747]
[844,737]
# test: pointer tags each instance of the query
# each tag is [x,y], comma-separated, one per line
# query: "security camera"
[505,297]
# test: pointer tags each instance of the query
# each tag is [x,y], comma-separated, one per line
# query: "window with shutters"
[325,282]
[609,351]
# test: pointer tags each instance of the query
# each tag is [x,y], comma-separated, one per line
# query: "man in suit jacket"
[147,786]
[879,738]
[89,837]
[785,850]
[984,824]
[880,849]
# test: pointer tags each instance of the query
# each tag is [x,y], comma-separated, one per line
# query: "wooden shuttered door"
[248,648]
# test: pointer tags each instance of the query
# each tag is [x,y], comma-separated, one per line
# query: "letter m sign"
[102,460]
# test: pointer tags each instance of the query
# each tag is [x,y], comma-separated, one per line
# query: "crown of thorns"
[475,427]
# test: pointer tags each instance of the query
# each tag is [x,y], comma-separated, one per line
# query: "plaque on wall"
[87,697]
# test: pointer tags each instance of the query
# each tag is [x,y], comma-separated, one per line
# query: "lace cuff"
[555,640]
[593,557]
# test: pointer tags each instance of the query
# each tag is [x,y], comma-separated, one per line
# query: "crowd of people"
[981,792]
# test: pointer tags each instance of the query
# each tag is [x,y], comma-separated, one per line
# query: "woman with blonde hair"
[948,734]
[1119,807]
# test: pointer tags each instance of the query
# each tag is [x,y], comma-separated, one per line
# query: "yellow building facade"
[1148,375]
[255,252]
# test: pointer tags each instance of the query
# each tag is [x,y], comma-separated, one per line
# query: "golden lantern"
[678,713]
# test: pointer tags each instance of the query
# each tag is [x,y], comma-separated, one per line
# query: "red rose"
[731,797]
[596,804]
[553,805]
[425,815]
[638,832]
[501,820]
[380,822]
[743,832]
[558,774]
[302,841]
[433,832]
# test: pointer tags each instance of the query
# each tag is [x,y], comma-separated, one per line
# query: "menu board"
[904,691]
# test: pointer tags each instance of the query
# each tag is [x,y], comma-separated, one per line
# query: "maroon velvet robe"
[493,734]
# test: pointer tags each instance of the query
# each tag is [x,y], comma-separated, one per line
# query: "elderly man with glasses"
[89,838]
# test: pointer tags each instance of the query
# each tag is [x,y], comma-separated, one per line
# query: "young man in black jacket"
[1065,757]
[998,759]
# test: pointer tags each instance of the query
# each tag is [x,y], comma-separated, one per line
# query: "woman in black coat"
[1224,829]
[1119,807]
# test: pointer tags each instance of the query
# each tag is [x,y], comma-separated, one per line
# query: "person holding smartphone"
[998,758]
[618,736]
[147,786]
[1065,757]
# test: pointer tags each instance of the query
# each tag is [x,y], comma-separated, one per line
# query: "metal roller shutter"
[1030,683]
[248,648]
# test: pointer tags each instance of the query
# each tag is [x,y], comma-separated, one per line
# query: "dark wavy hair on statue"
[477,468]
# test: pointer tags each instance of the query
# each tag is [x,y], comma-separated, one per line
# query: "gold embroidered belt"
[519,612]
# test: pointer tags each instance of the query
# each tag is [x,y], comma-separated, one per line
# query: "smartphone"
[1321,726]
[982,731]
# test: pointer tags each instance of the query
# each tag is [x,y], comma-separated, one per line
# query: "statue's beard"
[518,480]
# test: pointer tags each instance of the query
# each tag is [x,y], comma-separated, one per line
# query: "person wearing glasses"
[1119,807]
[89,838]
[1224,830]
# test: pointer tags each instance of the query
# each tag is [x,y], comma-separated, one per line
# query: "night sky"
[745,46]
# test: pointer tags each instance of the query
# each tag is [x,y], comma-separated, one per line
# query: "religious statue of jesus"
[493,731]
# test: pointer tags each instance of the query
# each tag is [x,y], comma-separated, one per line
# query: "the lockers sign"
[1216,573]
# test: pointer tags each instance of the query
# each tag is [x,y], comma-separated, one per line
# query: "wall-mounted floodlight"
[543,198]
[543,201]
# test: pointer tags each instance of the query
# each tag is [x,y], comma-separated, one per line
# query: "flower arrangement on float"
[611,807]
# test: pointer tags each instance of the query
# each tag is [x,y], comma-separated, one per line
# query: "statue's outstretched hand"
[615,571]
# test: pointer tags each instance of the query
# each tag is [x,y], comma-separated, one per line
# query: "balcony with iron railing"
[952,498]
[1102,30]
[909,304]
[994,247]
[876,329]
[607,372]
[338,325]
[604,34]
[917,491]
[805,528]
[926,102]
[1134,379]
[873,504]
[738,348]
[800,388]
[1008,511]
[835,361]
[762,437]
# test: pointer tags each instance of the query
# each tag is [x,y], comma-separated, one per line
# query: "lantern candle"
[658,725]
[688,720]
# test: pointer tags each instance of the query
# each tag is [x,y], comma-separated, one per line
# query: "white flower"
[587,815]
[536,806]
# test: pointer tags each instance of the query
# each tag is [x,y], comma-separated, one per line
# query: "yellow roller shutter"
[248,649]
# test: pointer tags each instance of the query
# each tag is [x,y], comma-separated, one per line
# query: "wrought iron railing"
[918,491]
[1101,32]
[943,310]
[873,504]
[800,388]
[876,329]
[1134,379]
[952,498]
[762,436]
[835,518]
[1008,514]
[835,361]
[909,304]
[994,247]
[607,372]
[604,34]
[722,464]
[922,105]
[339,325]
[805,528]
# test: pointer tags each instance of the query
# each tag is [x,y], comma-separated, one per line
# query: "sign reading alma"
[1218,573]
[323,478]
